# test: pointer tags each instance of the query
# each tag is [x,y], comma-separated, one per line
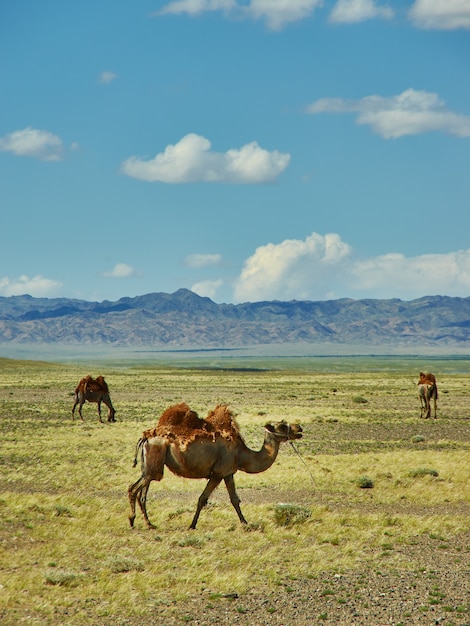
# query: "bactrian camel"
[210,448]
[93,390]
[427,391]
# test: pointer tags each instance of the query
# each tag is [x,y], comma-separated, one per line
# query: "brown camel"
[427,391]
[93,390]
[210,448]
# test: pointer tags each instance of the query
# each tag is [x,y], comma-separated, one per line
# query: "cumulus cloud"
[207,288]
[410,113]
[120,270]
[192,160]
[275,13]
[32,142]
[203,260]
[107,77]
[38,286]
[325,267]
[291,268]
[358,11]
[440,14]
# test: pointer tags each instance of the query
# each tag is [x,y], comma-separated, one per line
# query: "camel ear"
[269,427]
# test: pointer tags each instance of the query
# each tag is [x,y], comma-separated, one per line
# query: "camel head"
[284,431]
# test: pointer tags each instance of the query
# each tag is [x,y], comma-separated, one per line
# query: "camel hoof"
[131,521]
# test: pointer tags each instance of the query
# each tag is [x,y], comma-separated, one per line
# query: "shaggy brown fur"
[426,378]
[181,423]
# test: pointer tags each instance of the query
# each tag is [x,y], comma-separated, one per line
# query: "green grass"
[66,545]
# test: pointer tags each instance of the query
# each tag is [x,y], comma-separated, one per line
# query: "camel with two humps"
[93,390]
[210,448]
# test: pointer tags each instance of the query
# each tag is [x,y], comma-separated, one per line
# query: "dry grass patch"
[69,556]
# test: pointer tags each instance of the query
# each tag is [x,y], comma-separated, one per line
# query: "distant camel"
[210,448]
[427,391]
[93,390]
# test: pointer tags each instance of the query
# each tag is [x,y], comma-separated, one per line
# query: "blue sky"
[245,149]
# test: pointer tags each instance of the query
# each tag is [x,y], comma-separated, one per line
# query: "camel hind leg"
[138,492]
[153,463]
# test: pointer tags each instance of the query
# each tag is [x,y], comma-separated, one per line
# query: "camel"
[210,448]
[93,390]
[427,391]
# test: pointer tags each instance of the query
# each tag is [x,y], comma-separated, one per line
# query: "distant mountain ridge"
[186,319]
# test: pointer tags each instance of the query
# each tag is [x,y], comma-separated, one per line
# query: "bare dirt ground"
[435,590]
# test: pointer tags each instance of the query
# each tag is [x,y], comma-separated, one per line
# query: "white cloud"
[194,7]
[120,270]
[292,269]
[107,77]
[441,14]
[410,113]
[207,288]
[358,11]
[276,13]
[191,160]
[325,267]
[203,260]
[38,286]
[33,143]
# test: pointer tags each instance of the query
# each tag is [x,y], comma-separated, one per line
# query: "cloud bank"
[192,160]
[440,14]
[276,14]
[410,113]
[32,142]
[38,286]
[323,267]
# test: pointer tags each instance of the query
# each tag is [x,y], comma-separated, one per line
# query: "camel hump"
[180,422]
[88,383]
[223,421]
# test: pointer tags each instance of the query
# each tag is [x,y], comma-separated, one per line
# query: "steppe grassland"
[64,533]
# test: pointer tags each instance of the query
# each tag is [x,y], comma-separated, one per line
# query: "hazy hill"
[186,319]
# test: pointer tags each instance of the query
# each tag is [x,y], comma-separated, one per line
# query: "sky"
[247,150]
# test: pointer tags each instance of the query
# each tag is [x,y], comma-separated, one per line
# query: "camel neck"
[253,462]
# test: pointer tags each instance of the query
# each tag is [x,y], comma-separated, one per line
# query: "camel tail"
[138,447]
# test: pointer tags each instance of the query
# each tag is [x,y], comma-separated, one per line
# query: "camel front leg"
[204,498]
[99,410]
[74,406]
[234,499]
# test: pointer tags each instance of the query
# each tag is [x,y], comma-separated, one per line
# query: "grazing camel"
[427,391]
[210,448]
[93,390]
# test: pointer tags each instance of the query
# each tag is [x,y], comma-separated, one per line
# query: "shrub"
[120,564]
[290,514]
[360,400]
[364,482]
[62,577]
[423,471]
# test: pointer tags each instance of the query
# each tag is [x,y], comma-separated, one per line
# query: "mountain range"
[184,319]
